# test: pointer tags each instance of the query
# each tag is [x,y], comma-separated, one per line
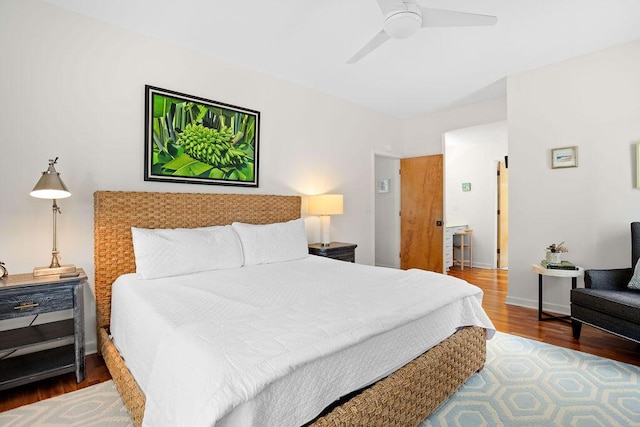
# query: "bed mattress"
[274,344]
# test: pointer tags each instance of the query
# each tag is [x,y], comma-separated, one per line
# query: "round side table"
[553,272]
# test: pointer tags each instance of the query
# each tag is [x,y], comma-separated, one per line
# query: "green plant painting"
[195,140]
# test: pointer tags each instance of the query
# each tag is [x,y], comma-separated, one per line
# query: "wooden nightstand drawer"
[18,304]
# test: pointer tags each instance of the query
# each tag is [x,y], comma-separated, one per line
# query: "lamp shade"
[326,204]
[50,186]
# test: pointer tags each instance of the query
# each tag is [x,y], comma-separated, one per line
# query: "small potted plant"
[555,251]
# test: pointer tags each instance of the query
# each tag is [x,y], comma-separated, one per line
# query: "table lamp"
[325,205]
[50,186]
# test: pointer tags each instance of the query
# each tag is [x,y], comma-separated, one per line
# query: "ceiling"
[309,42]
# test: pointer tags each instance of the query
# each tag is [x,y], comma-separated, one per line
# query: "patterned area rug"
[98,405]
[529,383]
[524,383]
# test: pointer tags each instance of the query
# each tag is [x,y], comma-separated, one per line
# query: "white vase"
[554,257]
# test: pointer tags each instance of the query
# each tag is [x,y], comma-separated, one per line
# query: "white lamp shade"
[326,204]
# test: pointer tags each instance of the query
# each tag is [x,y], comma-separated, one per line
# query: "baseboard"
[554,308]
[90,347]
[482,265]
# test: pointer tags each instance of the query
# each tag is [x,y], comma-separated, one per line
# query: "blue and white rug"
[524,383]
[98,406]
[529,383]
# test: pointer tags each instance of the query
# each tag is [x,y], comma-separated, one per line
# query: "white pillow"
[265,244]
[173,251]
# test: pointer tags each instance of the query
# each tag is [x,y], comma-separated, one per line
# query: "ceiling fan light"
[402,25]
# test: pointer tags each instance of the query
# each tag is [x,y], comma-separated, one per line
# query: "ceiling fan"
[403,18]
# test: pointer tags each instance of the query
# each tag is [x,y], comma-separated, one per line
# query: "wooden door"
[503,215]
[421,213]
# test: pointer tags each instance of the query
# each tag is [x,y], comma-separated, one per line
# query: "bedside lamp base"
[325,230]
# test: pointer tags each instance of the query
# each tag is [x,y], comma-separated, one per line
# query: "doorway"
[503,214]
[422,212]
[472,156]
[387,211]
[470,194]
[413,239]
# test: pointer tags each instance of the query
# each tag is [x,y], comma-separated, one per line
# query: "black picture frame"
[194,140]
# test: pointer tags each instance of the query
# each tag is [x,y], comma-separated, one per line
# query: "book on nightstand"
[563,265]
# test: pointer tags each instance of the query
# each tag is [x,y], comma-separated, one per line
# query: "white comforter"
[248,343]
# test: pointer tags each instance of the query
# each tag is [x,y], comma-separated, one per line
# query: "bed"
[405,397]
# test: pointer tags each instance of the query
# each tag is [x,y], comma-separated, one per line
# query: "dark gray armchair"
[605,302]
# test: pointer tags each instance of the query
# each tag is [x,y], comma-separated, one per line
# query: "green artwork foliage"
[208,142]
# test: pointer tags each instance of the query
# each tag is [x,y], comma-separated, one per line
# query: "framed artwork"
[466,186]
[199,141]
[383,186]
[565,157]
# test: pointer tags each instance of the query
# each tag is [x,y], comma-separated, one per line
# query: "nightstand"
[335,250]
[23,295]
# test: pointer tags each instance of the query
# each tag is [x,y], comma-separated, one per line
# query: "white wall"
[592,102]
[472,155]
[424,135]
[387,218]
[73,87]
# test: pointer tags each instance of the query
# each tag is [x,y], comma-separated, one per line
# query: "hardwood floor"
[510,319]
[96,372]
[523,321]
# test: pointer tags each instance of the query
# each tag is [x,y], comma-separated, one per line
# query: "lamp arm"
[55,263]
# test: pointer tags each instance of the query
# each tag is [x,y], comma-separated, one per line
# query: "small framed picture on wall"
[565,157]
[383,186]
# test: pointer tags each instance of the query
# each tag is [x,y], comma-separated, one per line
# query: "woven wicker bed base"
[407,396]
[130,392]
[404,398]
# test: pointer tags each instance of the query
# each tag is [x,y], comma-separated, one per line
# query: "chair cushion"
[634,283]
[623,304]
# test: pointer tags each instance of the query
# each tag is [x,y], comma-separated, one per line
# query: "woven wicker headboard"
[115,212]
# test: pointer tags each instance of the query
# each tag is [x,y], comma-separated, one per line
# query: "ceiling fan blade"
[375,43]
[449,18]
